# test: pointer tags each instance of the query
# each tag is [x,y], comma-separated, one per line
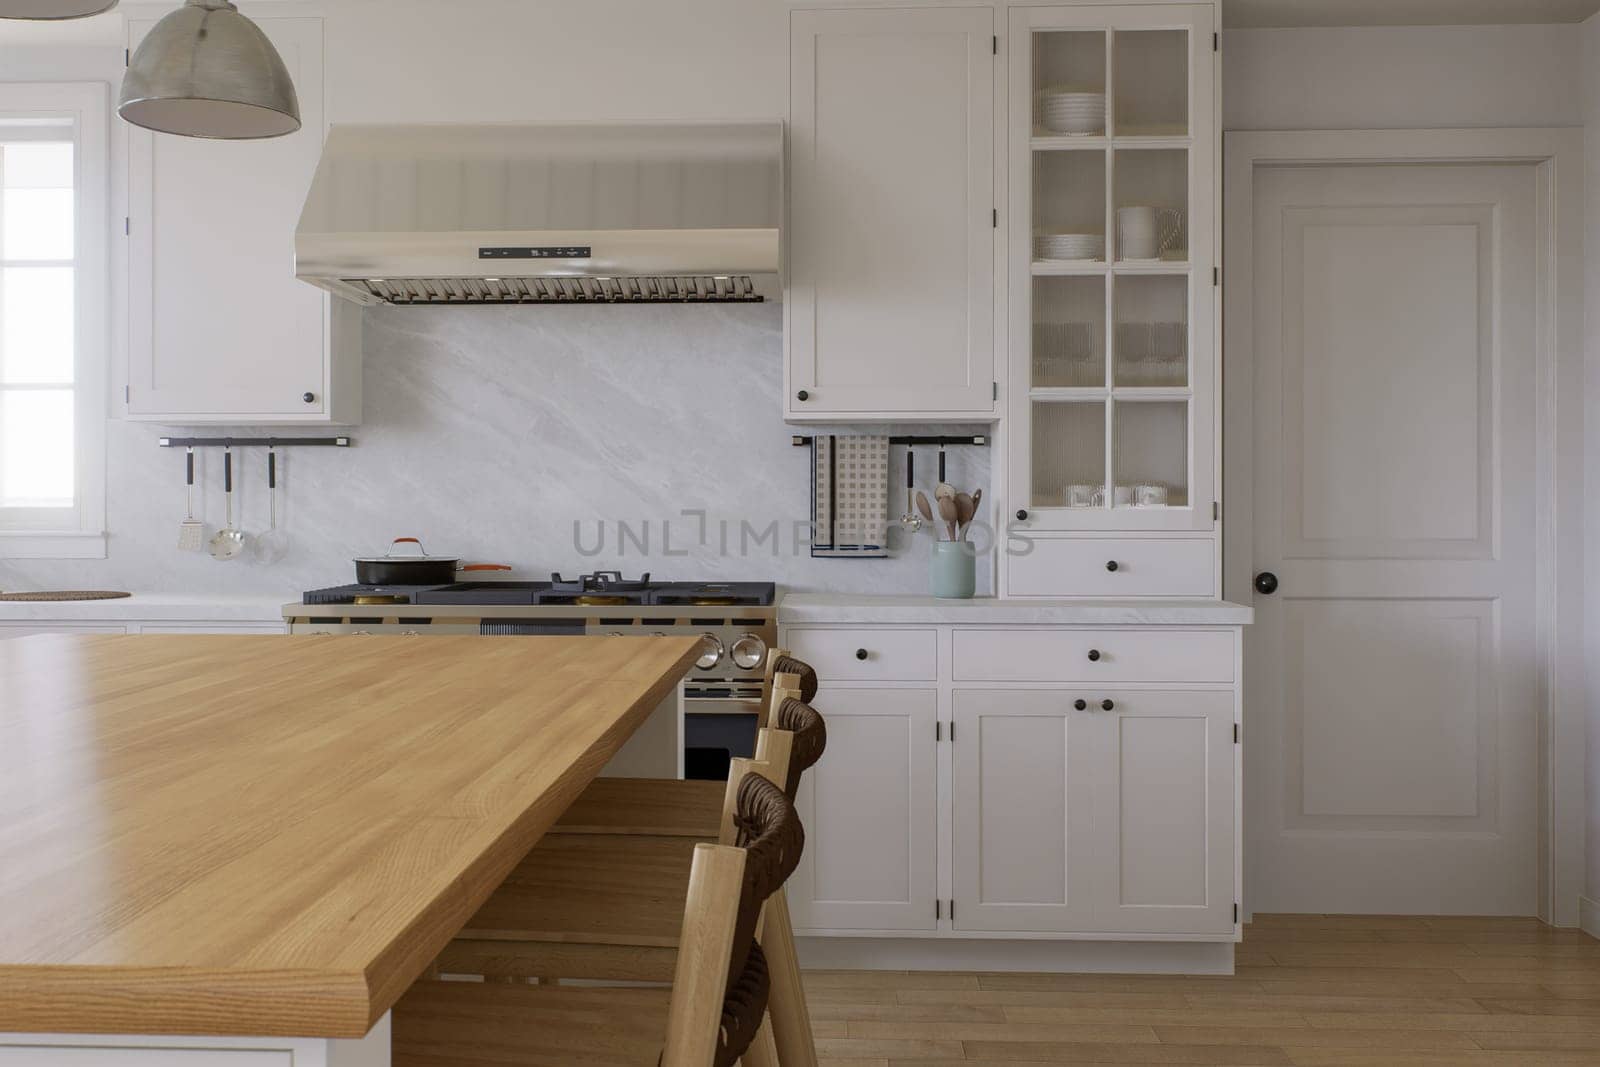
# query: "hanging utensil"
[191,532]
[910,519]
[228,542]
[273,545]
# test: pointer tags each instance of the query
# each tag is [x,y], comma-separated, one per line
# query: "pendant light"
[207,71]
[53,9]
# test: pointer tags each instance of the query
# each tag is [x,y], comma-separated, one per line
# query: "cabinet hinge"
[938,730]
[995,44]
[1236,733]
[1216,42]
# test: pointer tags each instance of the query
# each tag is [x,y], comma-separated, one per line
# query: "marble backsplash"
[520,435]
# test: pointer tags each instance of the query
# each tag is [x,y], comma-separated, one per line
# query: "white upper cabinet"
[220,330]
[1113,385]
[891,239]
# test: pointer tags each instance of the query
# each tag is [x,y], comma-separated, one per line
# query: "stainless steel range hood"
[569,213]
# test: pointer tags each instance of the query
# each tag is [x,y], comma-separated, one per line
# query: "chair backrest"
[719,989]
[788,672]
[809,737]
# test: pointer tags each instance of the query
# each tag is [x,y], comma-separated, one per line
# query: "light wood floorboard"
[1311,991]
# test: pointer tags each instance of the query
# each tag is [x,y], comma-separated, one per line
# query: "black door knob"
[1094,655]
[1266,583]
[1111,565]
[1081,704]
[861,653]
[1022,514]
[802,395]
[309,398]
[1106,705]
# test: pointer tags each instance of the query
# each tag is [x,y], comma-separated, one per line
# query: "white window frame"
[78,532]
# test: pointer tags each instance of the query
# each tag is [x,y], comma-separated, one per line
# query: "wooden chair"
[604,906]
[670,806]
[709,1017]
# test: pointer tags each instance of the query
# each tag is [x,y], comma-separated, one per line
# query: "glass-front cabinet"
[1113,216]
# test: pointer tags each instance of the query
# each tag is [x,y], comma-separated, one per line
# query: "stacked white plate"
[1069,246]
[1071,111]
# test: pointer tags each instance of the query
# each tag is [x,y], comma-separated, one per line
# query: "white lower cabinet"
[870,811]
[1055,781]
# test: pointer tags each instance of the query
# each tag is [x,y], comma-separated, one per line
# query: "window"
[52,320]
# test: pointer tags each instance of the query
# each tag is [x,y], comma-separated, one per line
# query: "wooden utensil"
[977,498]
[947,512]
[966,507]
[926,508]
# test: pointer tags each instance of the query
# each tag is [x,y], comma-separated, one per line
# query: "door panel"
[891,287]
[1022,817]
[869,811]
[1393,689]
[1164,812]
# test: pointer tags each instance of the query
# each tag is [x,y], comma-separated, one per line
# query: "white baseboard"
[1589,916]
[1054,957]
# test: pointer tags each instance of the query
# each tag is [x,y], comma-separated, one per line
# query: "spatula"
[191,532]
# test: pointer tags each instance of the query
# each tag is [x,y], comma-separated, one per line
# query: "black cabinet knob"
[1106,705]
[1022,514]
[802,395]
[1094,655]
[1081,704]
[861,653]
[1112,566]
[1266,583]
[309,398]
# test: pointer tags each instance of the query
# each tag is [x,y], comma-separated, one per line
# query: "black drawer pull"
[861,653]
[1094,655]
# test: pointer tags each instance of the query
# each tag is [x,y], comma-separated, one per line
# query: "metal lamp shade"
[53,9]
[207,71]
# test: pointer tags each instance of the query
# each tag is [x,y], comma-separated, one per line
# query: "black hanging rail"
[980,440]
[255,442]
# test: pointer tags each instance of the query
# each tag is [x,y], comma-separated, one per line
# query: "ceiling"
[1240,14]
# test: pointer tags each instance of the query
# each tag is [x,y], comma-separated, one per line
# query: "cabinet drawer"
[1155,567]
[891,655]
[1120,656]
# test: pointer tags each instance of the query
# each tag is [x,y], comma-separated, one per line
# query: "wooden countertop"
[275,835]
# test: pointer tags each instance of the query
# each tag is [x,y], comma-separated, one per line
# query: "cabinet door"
[1113,220]
[1164,813]
[869,809]
[890,297]
[219,327]
[1023,852]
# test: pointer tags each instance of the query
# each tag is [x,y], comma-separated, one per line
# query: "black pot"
[407,567]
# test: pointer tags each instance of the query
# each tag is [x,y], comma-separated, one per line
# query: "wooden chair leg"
[788,1015]
[762,1051]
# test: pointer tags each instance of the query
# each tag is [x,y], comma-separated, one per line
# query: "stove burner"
[599,582]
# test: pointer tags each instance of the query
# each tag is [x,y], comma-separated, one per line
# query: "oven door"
[719,725]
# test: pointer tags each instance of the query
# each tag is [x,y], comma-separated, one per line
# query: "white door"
[890,293]
[1392,702]
[1023,858]
[1164,818]
[218,323]
[870,814]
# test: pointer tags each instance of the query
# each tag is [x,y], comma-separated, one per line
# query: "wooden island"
[241,850]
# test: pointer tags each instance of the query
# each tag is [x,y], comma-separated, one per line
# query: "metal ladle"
[911,520]
[228,542]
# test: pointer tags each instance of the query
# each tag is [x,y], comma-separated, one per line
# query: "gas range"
[737,620]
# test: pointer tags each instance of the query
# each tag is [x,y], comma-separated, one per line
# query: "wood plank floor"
[1311,991]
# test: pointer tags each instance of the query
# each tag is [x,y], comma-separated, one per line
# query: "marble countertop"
[177,607]
[855,608]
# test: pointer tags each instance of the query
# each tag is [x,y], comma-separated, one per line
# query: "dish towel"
[849,496]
